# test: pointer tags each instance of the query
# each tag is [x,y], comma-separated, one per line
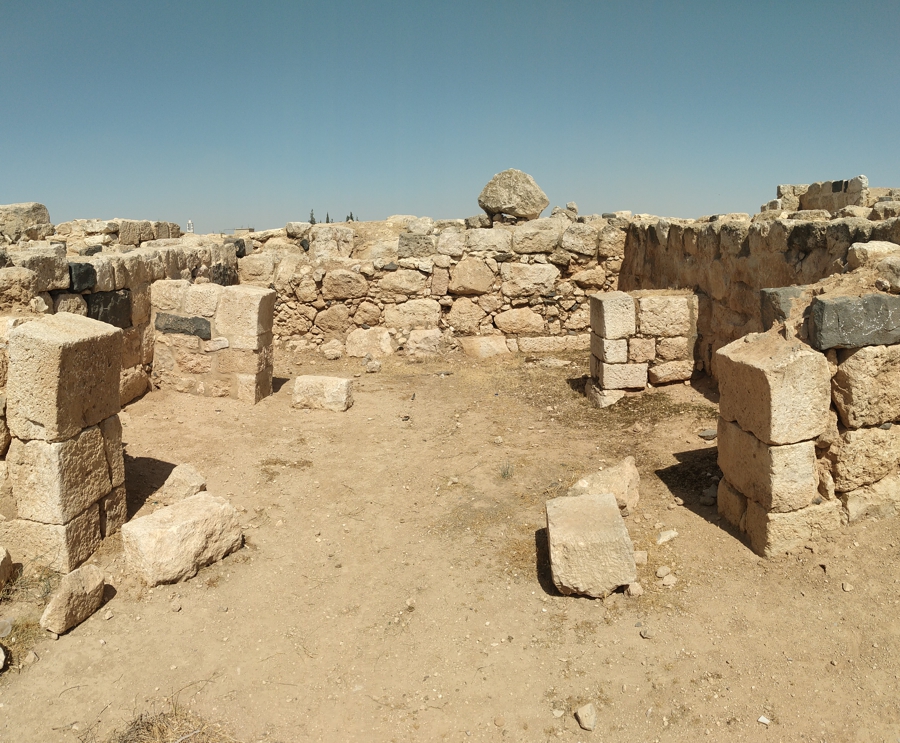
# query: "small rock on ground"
[669,581]
[666,536]
[663,571]
[634,590]
[587,716]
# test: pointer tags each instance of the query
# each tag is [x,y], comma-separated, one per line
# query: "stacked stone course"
[213,340]
[642,336]
[65,464]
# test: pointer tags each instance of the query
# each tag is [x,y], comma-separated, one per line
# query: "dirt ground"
[394,584]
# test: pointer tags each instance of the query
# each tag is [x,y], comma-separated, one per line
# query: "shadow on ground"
[143,477]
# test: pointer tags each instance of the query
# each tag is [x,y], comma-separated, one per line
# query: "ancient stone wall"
[728,259]
[528,281]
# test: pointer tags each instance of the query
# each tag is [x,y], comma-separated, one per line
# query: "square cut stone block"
[63,376]
[879,500]
[169,295]
[612,315]
[254,387]
[591,553]
[671,371]
[776,533]
[610,351]
[622,376]
[641,350]
[173,543]
[54,482]
[779,478]
[674,349]
[667,315]
[866,386]
[244,311]
[778,390]
[202,299]
[323,393]
[732,504]
[61,547]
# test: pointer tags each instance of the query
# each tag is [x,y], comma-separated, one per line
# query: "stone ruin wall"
[728,260]
[528,282]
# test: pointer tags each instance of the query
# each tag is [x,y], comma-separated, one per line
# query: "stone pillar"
[774,402]
[642,336]
[65,460]
[213,340]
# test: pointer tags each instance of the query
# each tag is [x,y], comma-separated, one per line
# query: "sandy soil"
[394,585]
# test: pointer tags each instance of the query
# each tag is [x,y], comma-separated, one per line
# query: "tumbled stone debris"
[622,480]
[79,595]
[591,552]
[173,543]
[323,393]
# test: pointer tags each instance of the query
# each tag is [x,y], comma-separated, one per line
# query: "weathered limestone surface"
[514,193]
[864,456]
[622,376]
[485,346]
[54,482]
[61,547]
[776,533]
[878,500]
[80,594]
[731,504]
[183,481]
[63,376]
[173,543]
[779,478]
[622,480]
[776,389]
[864,388]
[374,342]
[591,552]
[323,393]
[613,315]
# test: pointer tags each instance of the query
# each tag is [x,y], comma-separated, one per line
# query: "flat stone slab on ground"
[173,543]
[323,393]
[591,552]
[79,595]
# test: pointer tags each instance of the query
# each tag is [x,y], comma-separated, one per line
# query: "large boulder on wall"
[515,194]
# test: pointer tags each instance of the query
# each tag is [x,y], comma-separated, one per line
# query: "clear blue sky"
[253,113]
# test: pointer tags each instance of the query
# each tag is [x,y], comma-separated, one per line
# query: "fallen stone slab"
[79,595]
[591,552]
[853,322]
[622,480]
[173,543]
[323,393]
[484,346]
[183,482]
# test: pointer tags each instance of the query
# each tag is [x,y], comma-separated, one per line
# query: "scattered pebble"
[108,615]
[679,501]
[498,440]
[669,581]
[587,716]
[373,366]
[3,657]
[708,434]
[175,606]
[558,713]
[53,635]
[666,536]
[634,590]
[499,722]
[647,633]
[30,658]
[764,720]
[662,572]
[847,587]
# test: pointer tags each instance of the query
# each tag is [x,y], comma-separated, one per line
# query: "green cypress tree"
[312,217]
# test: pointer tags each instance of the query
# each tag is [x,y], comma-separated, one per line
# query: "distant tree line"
[328,219]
